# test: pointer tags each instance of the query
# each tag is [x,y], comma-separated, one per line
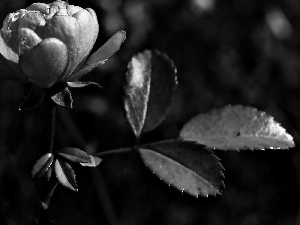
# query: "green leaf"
[151,82]
[101,55]
[74,155]
[42,165]
[65,174]
[33,99]
[94,161]
[235,128]
[137,91]
[63,98]
[187,166]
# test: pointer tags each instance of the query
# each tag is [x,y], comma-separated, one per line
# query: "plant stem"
[52,127]
[51,136]
[99,181]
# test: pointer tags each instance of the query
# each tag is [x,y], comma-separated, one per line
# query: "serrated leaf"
[235,128]
[151,82]
[94,161]
[74,155]
[162,88]
[63,98]
[137,91]
[101,55]
[65,174]
[42,165]
[187,166]
[33,99]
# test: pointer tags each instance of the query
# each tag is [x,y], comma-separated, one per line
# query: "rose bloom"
[49,43]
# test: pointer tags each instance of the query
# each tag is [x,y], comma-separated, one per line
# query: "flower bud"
[47,43]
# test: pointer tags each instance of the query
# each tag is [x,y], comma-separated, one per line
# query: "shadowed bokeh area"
[226,52]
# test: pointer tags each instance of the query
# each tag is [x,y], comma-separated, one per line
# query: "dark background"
[226,52]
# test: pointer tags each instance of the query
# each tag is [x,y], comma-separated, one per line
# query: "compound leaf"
[235,128]
[187,166]
[65,174]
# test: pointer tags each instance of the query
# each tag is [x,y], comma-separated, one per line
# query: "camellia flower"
[49,43]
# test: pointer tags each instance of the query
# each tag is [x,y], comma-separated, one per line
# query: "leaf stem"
[45,204]
[114,151]
[129,149]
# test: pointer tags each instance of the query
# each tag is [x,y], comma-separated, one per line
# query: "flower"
[49,43]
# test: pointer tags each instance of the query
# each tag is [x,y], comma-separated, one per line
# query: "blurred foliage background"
[226,52]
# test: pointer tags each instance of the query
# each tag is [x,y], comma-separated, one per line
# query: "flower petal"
[101,55]
[41,7]
[9,62]
[87,35]
[45,63]
[66,29]
[108,49]
[32,20]
[27,40]
[96,27]
[9,32]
